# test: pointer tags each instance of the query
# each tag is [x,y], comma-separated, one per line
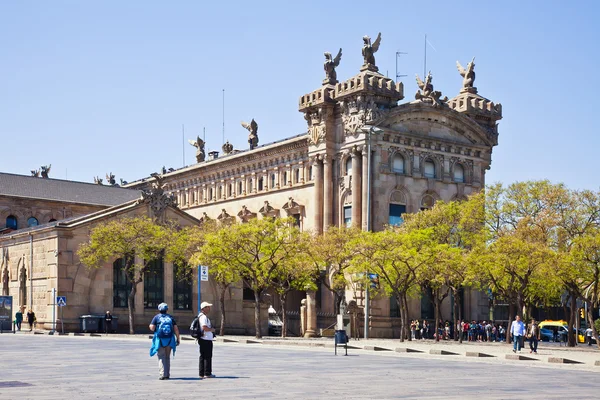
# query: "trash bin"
[340,336]
[89,323]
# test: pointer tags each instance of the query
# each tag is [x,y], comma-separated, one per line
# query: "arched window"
[249,186]
[398,164]
[297,175]
[427,202]
[229,189]
[220,192]
[210,194]
[397,208]
[349,166]
[285,178]
[11,222]
[310,173]
[459,173]
[273,180]
[240,187]
[429,169]
[260,184]
[32,221]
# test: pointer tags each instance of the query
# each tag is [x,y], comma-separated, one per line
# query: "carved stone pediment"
[246,215]
[268,211]
[157,198]
[291,207]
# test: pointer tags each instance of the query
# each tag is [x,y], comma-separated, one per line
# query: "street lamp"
[369,130]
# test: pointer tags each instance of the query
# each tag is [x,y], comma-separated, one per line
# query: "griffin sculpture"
[468,74]
[369,50]
[329,66]
[427,94]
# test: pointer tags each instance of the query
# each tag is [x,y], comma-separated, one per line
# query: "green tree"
[129,238]
[255,250]
[332,253]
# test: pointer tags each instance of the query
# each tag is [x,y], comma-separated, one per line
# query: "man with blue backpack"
[166,338]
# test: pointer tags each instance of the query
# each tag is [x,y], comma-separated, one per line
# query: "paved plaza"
[63,367]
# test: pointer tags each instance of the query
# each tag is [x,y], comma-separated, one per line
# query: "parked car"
[546,335]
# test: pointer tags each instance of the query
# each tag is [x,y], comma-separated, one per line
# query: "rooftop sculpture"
[368,52]
[329,66]
[427,94]
[252,127]
[110,178]
[46,170]
[468,76]
[199,145]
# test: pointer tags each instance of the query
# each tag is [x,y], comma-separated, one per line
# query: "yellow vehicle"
[558,329]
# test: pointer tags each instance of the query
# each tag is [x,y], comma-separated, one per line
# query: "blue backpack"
[165,326]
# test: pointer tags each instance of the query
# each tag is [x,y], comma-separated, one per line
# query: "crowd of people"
[474,331]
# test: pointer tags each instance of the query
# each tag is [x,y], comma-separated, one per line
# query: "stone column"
[356,189]
[365,189]
[311,314]
[327,192]
[318,196]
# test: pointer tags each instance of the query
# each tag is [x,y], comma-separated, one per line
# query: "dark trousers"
[533,342]
[206,350]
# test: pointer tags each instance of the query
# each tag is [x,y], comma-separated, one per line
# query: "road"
[52,367]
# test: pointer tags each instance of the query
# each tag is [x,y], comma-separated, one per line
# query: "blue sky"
[97,87]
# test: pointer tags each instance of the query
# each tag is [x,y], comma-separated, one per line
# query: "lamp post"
[369,130]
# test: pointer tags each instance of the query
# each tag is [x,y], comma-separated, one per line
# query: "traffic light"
[581,313]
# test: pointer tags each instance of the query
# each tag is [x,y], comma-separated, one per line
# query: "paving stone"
[376,348]
[442,352]
[407,350]
[561,360]
[520,357]
[477,354]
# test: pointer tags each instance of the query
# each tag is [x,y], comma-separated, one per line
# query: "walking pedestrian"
[533,334]
[205,342]
[166,338]
[30,319]
[19,318]
[517,330]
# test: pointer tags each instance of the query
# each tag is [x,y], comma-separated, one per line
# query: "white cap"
[205,304]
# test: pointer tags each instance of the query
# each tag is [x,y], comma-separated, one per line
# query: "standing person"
[166,338]
[108,322]
[533,333]
[588,334]
[205,341]
[30,319]
[19,318]
[517,330]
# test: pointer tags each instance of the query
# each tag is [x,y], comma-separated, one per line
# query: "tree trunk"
[406,330]
[438,319]
[572,336]
[590,318]
[457,316]
[131,308]
[511,317]
[222,306]
[398,298]
[257,314]
[282,299]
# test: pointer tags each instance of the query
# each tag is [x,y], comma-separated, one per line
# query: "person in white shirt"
[205,341]
[517,330]
[589,333]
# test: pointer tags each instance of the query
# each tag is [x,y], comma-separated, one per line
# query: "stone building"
[364,161]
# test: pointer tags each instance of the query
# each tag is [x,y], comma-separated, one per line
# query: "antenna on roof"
[183,142]
[398,54]
[223,116]
[204,134]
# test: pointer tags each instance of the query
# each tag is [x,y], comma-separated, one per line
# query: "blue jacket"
[157,343]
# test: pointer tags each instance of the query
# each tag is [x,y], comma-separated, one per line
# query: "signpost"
[202,276]
[61,301]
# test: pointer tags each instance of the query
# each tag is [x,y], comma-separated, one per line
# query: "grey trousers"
[164,361]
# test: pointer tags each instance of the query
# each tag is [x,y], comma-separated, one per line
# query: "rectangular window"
[394,308]
[347,216]
[296,220]
[154,284]
[182,288]
[297,176]
[121,284]
[396,211]
[248,293]
[260,184]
